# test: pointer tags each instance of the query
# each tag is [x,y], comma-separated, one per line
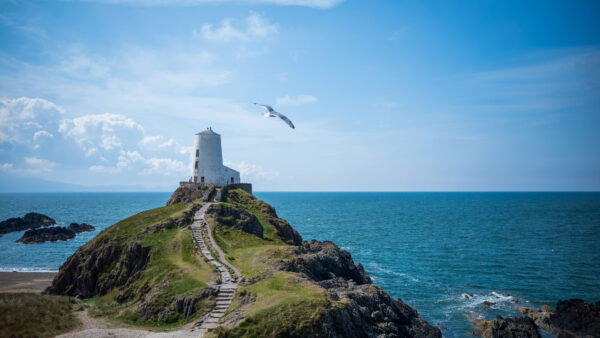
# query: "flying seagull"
[272,113]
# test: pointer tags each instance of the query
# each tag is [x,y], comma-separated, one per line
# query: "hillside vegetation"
[33,315]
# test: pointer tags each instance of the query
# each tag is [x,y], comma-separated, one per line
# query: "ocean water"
[442,253]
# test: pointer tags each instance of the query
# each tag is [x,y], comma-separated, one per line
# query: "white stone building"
[208,161]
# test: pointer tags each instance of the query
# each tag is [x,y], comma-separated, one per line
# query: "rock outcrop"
[51,234]
[521,327]
[236,217]
[368,310]
[31,220]
[80,227]
[321,261]
[189,192]
[571,318]
[97,267]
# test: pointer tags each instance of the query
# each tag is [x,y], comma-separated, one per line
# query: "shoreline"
[25,281]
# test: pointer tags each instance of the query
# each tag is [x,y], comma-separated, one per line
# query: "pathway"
[226,290]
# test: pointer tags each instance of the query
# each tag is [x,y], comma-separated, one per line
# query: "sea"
[447,254]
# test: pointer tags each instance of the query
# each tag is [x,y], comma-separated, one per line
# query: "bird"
[272,113]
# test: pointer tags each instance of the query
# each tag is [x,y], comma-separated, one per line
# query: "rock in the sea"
[571,318]
[80,227]
[517,327]
[236,217]
[51,234]
[31,220]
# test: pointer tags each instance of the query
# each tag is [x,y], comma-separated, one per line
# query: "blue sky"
[385,95]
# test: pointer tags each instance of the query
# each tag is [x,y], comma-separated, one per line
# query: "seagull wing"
[286,120]
[268,108]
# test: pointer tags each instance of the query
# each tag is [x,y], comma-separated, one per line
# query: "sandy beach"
[25,281]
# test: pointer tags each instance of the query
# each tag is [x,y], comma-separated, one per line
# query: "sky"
[106,95]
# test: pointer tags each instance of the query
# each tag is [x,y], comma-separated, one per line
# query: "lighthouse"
[208,161]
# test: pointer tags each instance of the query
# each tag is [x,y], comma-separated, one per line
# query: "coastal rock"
[191,192]
[571,318]
[80,227]
[321,261]
[521,327]
[236,217]
[31,220]
[46,234]
[97,267]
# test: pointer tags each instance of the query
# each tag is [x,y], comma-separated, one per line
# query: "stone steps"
[227,288]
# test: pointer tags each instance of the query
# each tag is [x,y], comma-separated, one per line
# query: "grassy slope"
[173,258]
[34,315]
[283,302]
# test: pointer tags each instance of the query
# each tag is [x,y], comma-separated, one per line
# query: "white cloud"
[132,160]
[39,165]
[5,166]
[98,130]
[256,28]
[42,133]
[250,172]
[322,4]
[301,99]
[22,118]
[157,141]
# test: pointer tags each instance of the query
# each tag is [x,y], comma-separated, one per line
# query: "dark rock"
[517,327]
[80,227]
[187,305]
[31,220]
[571,318]
[99,266]
[46,234]
[236,217]
[322,261]
[488,304]
[576,316]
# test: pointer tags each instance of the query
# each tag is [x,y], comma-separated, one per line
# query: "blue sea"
[442,253]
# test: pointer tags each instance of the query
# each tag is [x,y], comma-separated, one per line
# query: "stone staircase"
[229,275]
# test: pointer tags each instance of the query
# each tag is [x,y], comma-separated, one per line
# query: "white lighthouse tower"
[208,161]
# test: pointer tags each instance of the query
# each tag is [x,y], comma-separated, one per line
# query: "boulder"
[571,318]
[31,220]
[322,261]
[518,327]
[80,227]
[46,234]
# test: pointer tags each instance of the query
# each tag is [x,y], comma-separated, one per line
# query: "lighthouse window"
[202,179]
[197,152]
[232,180]
[196,165]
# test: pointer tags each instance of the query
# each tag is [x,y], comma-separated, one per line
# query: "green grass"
[34,315]
[174,261]
[283,303]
